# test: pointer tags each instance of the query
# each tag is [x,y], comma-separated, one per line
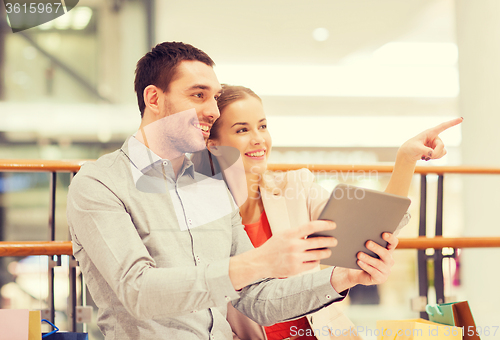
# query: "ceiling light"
[320,34]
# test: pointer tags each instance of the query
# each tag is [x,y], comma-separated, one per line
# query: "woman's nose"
[257,139]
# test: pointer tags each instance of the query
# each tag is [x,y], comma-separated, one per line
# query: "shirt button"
[227,298]
[190,221]
[328,297]
[212,336]
[194,311]
[165,163]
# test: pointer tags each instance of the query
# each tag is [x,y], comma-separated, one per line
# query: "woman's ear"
[212,146]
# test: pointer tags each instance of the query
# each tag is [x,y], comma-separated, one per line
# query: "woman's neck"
[251,210]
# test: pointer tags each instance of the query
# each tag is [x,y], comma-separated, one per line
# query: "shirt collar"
[144,159]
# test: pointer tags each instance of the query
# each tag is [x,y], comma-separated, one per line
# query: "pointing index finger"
[446,125]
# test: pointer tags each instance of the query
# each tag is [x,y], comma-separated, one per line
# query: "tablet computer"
[361,215]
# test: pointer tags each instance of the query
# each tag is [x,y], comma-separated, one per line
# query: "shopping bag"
[14,324]
[415,329]
[56,335]
[35,325]
[20,324]
[454,314]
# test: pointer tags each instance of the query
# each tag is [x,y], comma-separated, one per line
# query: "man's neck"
[175,157]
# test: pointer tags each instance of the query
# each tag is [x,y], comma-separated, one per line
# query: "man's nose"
[210,110]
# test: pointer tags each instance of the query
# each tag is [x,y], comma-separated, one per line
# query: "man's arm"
[106,240]
[285,254]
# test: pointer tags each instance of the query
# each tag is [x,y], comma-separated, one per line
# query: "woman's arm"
[425,146]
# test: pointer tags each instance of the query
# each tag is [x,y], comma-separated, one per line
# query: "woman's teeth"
[256,154]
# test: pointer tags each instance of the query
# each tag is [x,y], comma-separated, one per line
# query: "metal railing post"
[438,253]
[422,231]
[52,236]
[73,281]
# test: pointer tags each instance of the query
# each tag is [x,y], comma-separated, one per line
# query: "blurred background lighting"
[417,53]
[76,19]
[351,80]
[320,34]
[81,17]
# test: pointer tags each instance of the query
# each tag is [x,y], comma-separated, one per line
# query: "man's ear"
[151,99]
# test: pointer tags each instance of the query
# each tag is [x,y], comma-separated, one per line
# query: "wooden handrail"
[439,242]
[387,168]
[30,165]
[73,166]
[36,248]
[65,247]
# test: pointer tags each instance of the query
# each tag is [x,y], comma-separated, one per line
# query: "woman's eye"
[264,126]
[199,95]
[241,130]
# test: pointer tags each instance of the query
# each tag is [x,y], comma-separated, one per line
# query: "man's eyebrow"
[201,87]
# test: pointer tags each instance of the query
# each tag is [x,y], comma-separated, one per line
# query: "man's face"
[194,86]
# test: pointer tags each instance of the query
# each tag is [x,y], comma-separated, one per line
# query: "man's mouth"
[205,129]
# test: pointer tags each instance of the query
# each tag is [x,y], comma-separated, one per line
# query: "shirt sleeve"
[108,246]
[276,300]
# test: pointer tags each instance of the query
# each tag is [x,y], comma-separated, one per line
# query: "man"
[162,247]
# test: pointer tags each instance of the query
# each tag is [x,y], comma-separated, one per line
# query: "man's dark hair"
[158,67]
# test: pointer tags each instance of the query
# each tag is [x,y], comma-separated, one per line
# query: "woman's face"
[244,127]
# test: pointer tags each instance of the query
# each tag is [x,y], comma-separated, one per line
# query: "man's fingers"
[446,125]
[317,254]
[391,239]
[321,242]
[315,227]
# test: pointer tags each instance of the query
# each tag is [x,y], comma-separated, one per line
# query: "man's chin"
[196,147]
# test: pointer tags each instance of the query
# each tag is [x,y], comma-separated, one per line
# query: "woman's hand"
[375,271]
[427,144]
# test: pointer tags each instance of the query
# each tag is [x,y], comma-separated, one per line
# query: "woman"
[242,125]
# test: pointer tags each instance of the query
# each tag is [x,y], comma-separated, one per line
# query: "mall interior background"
[343,82]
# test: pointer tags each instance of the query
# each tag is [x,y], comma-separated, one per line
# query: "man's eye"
[263,126]
[199,95]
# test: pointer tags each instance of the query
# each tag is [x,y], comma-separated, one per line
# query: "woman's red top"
[259,232]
